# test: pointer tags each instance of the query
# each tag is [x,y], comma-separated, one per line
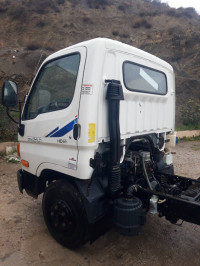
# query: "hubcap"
[62,217]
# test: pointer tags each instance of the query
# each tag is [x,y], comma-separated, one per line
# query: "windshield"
[54,87]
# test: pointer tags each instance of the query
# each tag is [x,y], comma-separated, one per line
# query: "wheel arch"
[35,185]
[49,175]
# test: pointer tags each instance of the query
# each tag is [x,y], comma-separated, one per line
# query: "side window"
[54,86]
[143,79]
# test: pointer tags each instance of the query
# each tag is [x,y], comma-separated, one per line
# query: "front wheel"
[64,214]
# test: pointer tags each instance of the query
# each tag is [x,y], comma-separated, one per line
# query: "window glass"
[143,79]
[54,87]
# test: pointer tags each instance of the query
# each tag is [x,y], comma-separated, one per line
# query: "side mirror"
[9,94]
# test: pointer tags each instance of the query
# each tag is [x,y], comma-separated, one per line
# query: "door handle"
[76,131]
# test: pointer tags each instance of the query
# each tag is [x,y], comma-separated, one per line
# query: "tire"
[64,214]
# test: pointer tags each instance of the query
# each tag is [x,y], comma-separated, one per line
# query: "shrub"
[124,35]
[190,113]
[136,25]
[40,24]
[41,7]
[148,25]
[142,14]
[32,46]
[87,20]
[150,13]
[18,12]
[115,33]
[41,11]
[122,8]
[172,13]
[8,130]
[142,23]
[3,10]
[97,4]
[60,2]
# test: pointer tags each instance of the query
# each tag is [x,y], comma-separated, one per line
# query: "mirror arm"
[20,112]
[8,114]
[21,127]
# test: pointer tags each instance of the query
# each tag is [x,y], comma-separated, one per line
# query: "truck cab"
[97,126]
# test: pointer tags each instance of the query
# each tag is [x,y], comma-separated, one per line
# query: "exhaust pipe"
[114,96]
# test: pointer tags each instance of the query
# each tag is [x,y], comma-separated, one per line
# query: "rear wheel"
[64,214]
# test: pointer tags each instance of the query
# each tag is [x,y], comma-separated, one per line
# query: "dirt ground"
[24,238]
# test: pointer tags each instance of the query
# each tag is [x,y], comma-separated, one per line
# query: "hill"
[32,29]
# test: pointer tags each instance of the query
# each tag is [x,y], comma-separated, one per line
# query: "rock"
[9,150]
[4,145]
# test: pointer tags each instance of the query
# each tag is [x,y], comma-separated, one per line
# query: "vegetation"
[60,2]
[142,23]
[40,24]
[87,20]
[32,46]
[18,13]
[97,4]
[115,33]
[122,8]
[187,127]
[3,10]
[8,130]
[190,114]
[197,138]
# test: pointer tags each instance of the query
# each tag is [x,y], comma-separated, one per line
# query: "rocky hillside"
[32,29]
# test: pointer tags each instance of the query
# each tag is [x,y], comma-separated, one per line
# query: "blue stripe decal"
[64,130]
[53,131]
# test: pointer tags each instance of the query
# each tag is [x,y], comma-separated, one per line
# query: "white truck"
[95,136]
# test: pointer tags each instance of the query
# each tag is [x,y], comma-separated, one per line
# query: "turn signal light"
[25,163]
[18,150]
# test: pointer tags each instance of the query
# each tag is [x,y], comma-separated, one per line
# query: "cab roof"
[105,43]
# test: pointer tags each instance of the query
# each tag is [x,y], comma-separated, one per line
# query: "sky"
[184,3]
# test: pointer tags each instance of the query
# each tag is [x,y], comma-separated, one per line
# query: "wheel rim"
[62,217]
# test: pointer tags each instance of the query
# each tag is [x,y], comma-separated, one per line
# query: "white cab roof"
[117,46]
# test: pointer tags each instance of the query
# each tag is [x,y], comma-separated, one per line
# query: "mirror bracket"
[8,114]
[21,127]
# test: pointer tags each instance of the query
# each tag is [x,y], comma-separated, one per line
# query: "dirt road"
[24,239]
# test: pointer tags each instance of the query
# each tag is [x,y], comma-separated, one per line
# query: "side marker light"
[25,163]
[18,149]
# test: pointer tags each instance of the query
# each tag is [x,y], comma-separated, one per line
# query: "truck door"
[51,110]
